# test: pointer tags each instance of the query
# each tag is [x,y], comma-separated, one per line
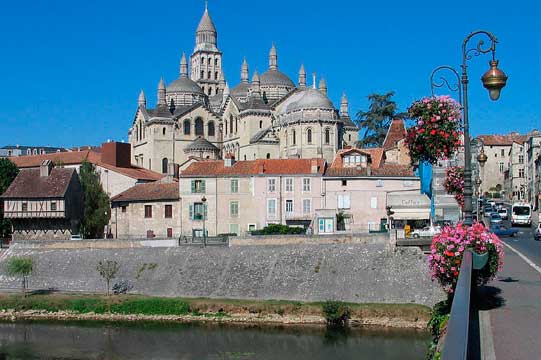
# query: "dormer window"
[354,160]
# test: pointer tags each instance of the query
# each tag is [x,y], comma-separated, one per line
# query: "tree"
[8,172]
[375,122]
[97,210]
[107,270]
[20,266]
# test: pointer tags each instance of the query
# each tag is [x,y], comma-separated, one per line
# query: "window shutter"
[203,186]
[204,210]
[193,186]
[191,210]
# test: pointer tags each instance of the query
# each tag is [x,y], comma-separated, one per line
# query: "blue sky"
[71,71]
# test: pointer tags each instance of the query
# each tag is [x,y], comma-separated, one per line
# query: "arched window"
[216,75]
[225,127]
[236,125]
[163,131]
[199,127]
[216,62]
[309,136]
[136,132]
[202,61]
[231,124]
[268,155]
[244,157]
[260,124]
[187,127]
[210,91]
[202,74]
[210,128]
[164,165]
[209,74]
[349,136]
[285,136]
[327,136]
[293,137]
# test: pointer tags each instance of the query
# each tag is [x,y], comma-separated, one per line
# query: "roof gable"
[30,185]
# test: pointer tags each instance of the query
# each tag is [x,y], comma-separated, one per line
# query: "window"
[202,74]
[198,186]
[202,61]
[124,209]
[344,182]
[24,206]
[309,136]
[373,202]
[168,211]
[208,77]
[235,185]
[28,152]
[169,232]
[503,152]
[521,159]
[210,129]
[520,173]
[35,151]
[271,185]
[306,184]
[260,124]
[148,211]
[163,131]
[252,227]
[53,206]
[187,127]
[216,62]
[198,211]
[271,207]
[199,127]
[165,163]
[343,201]
[233,208]
[293,137]
[289,184]
[231,124]
[234,229]
[268,156]
[289,206]
[501,167]
[379,183]
[216,75]
[327,136]
[306,206]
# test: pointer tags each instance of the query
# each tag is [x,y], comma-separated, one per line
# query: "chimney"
[45,168]
[172,169]
[313,166]
[116,154]
[229,160]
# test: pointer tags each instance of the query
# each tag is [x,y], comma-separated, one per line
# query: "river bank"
[134,308]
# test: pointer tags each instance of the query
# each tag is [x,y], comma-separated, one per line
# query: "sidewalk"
[514,311]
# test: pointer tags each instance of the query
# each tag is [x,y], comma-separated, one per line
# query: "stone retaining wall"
[347,272]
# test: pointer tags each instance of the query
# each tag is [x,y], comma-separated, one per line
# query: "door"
[326,225]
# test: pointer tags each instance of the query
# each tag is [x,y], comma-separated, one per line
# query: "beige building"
[147,211]
[269,117]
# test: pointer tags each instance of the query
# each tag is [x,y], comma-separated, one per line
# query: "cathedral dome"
[311,99]
[241,90]
[185,85]
[273,77]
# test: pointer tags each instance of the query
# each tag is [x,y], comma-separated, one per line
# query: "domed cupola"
[274,83]
[311,99]
[183,91]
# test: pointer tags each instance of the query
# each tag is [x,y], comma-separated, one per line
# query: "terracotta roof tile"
[254,167]
[29,184]
[376,156]
[149,192]
[383,171]
[396,132]
[502,140]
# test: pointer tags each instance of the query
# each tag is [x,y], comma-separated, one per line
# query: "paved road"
[514,305]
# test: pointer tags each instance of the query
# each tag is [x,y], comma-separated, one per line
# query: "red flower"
[433,132]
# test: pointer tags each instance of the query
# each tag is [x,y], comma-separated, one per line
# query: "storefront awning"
[421,214]
[409,206]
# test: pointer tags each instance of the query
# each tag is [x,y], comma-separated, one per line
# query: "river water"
[39,340]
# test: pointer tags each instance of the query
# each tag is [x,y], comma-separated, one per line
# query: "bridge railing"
[207,240]
[457,340]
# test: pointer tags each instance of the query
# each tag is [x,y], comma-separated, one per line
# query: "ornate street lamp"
[493,80]
[204,201]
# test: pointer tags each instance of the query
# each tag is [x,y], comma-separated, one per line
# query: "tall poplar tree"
[96,202]
[8,172]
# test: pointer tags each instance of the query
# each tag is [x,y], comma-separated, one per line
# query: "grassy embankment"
[154,306]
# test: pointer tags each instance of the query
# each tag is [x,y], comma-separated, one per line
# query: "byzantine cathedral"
[198,116]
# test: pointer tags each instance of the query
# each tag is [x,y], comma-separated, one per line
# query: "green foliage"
[97,210]
[108,270]
[438,321]
[20,266]
[336,313]
[151,306]
[8,172]
[375,122]
[278,229]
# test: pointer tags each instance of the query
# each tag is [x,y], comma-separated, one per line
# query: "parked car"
[502,230]
[76,237]
[495,218]
[537,232]
[427,231]
[503,213]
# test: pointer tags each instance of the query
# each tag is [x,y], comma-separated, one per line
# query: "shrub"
[151,306]
[448,248]
[336,313]
[107,270]
[20,266]
[278,229]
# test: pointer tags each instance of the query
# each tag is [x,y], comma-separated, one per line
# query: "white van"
[521,214]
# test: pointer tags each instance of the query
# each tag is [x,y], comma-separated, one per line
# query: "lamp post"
[204,201]
[493,80]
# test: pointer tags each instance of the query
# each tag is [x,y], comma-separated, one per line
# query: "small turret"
[161,93]
[255,88]
[221,81]
[344,106]
[302,77]
[183,66]
[323,86]
[142,101]
[226,90]
[273,58]
[244,74]
[314,80]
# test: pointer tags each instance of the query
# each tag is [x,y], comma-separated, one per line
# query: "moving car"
[503,213]
[426,231]
[521,213]
[495,218]
[537,232]
[502,230]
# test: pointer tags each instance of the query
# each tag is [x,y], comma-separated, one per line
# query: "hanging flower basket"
[448,248]
[454,183]
[437,132]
